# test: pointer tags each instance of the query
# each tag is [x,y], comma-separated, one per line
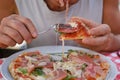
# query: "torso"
[42,17]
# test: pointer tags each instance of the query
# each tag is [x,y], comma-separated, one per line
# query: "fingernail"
[34,34]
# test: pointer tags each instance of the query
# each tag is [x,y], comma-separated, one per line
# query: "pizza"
[76,65]
[78,30]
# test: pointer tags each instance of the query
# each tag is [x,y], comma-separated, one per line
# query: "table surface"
[113,56]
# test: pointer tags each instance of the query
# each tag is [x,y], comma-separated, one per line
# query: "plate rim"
[5,64]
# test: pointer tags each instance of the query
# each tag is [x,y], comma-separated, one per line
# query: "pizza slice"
[75,29]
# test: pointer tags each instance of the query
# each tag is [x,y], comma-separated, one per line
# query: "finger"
[97,48]
[7,40]
[13,34]
[29,25]
[91,41]
[92,47]
[89,23]
[102,29]
[3,46]
[17,25]
[83,44]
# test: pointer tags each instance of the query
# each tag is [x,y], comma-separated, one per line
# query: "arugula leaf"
[23,70]
[69,77]
[84,66]
[38,72]
[70,50]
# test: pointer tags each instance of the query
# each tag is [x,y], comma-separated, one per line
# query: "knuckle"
[26,20]
[15,24]
[107,27]
[4,20]
[19,40]
[13,15]
[14,34]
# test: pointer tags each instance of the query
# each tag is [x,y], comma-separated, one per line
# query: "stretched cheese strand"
[67,9]
[62,3]
[66,18]
[63,44]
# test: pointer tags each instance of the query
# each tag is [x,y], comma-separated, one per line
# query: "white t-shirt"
[42,17]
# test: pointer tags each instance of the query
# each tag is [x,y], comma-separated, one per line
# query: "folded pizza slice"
[75,29]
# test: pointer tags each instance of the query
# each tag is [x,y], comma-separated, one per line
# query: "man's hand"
[101,37]
[14,29]
[59,5]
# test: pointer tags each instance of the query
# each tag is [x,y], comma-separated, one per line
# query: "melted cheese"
[63,44]
[30,58]
[70,66]
[39,78]
[73,24]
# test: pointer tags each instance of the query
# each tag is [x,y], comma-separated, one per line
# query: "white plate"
[56,49]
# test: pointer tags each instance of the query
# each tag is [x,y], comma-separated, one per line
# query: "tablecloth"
[113,56]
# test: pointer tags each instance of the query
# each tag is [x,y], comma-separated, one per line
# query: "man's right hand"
[15,29]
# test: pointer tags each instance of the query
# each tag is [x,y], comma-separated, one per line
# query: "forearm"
[114,22]
[111,15]
[7,7]
[5,13]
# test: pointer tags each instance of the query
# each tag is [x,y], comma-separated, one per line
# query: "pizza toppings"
[76,66]
[67,28]
[76,30]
